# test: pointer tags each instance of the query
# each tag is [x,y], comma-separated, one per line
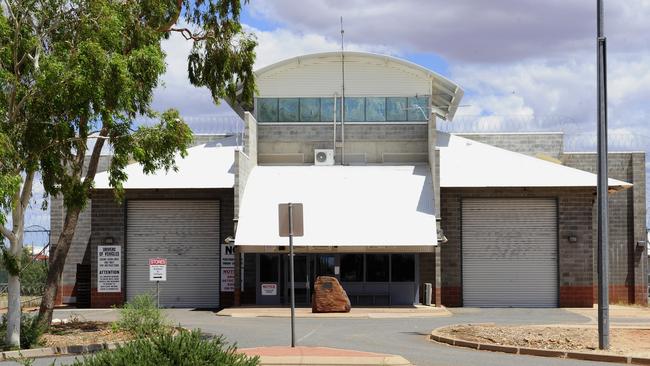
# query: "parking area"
[407,337]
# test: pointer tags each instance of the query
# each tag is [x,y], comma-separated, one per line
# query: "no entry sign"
[157,269]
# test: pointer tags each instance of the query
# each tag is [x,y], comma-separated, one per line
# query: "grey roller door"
[509,252]
[184,232]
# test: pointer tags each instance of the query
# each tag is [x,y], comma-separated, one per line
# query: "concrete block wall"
[627,220]
[377,142]
[535,144]
[79,249]
[109,221]
[575,265]
[77,253]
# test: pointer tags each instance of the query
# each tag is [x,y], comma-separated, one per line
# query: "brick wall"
[109,220]
[549,144]
[627,220]
[575,259]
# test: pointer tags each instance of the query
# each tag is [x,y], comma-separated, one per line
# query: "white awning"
[468,163]
[206,166]
[355,206]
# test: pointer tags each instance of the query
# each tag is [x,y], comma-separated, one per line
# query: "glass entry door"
[307,267]
[302,279]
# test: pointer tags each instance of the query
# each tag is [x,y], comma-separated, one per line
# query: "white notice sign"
[157,269]
[269,289]
[227,279]
[109,268]
[227,268]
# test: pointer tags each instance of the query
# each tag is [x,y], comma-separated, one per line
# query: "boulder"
[329,296]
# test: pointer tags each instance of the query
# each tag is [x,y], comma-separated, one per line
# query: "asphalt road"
[406,337]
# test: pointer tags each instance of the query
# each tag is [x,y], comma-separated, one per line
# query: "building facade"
[390,204]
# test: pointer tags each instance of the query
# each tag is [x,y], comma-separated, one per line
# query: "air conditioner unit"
[323,157]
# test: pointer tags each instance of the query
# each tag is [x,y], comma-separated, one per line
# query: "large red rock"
[329,296]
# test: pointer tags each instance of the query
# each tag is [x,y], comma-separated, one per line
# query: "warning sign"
[109,268]
[157,269]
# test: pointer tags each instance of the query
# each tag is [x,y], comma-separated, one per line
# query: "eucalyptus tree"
[74,76]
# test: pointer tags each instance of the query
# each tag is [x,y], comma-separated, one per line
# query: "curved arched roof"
[446,94]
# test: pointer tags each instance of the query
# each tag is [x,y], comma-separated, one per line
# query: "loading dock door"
[509,250]
[184,232]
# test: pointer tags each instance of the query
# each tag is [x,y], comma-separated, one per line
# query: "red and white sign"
[269,289]
[157,269]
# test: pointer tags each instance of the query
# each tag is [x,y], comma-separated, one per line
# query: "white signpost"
[109,268]
[157,272]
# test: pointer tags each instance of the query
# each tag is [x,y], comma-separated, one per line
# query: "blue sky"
[526,65]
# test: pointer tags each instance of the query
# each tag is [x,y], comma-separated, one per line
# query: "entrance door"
[302,280]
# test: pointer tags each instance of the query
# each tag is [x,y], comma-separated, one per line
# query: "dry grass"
[82,332]
[625,341]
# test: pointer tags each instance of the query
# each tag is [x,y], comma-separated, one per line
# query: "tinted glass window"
[396,109]
[352,267]
[377,267]
[355,109]
[269,265]
[327,109]
[309,109]
[418,109]
[402,268]
[267,109]
[375,109]
[289,109]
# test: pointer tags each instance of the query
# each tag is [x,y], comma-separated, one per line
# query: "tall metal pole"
[603,232]
[342,97]
[293,294]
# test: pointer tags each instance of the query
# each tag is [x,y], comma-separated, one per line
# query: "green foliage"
[30,331]
[10,262]
[32,275]
[184,349]
[141,317]
[32,272]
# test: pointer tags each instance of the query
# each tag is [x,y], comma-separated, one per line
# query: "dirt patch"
[624,341]
[79,333]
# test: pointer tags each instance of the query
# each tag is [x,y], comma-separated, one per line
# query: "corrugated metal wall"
[186,233]
[322,77]
[509,252]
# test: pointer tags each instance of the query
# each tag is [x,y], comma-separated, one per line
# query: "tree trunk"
[19,204]
[13,305]
[57,261]
[60,253]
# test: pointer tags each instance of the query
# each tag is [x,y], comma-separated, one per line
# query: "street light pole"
[603,232]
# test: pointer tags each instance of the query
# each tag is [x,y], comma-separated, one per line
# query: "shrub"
[185,349]
[141,317]
[30,331]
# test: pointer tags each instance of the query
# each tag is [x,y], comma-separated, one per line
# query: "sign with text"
[109,268]
[157,269]
[269,289]
[227,267]
[228,279]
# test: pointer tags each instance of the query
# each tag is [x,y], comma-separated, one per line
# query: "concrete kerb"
[586,356]
[59,351]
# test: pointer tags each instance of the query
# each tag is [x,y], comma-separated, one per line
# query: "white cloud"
[281,44]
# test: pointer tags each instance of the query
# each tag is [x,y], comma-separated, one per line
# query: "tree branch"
[7,233]
[187,34]
[27,189]
[167,27]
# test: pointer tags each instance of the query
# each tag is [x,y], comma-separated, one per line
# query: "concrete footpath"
[322,356]
[417,311]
